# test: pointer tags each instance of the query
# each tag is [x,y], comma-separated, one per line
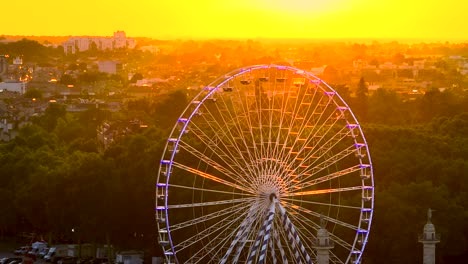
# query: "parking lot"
[6,251]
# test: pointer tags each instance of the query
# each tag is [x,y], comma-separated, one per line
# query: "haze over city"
[237,131]
[299,19]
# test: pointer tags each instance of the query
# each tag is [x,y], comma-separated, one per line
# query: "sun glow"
[241,18]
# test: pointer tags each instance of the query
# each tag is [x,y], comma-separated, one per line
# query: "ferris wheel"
[267,164]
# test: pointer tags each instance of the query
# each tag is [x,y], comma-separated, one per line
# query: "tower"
[3,66]
[429,238]
[323,244]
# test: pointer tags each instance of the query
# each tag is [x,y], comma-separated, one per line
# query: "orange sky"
[193,19]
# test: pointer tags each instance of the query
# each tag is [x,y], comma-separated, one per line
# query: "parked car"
[43,252]
[56,253]
[35,249]
[14,261]
[33,253]
[22,250]
[11,260]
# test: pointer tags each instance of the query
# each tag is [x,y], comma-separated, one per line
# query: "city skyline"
[294,19]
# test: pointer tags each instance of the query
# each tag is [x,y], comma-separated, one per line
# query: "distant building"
[359,64]
[111,67]
[118,41]
[317,70]
[18,61]
[13,86]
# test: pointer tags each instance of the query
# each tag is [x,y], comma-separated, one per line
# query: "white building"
[118,41]
[18,61]
[111,67]
[14,86]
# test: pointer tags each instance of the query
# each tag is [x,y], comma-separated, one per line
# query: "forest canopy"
[55,179]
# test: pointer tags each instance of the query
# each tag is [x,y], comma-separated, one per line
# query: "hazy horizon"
[242,19]
[265,39]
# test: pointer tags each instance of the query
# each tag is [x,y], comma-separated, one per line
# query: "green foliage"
[67,79]
[33,93]
[29,50]
[52,177]
[137,76]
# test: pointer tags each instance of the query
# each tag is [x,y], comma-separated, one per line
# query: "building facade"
[118,41]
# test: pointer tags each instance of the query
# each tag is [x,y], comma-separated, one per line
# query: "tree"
[33,93]
[385,107]
[137,76]
[331,74]
[51,115]
[361,102]
[67,79]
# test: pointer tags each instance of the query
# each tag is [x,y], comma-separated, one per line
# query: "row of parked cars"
[68,254]
[35,251]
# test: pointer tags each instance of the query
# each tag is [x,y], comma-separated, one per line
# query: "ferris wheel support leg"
[293,237]
[263,234]
[241,233]
[272,251]
[280,247]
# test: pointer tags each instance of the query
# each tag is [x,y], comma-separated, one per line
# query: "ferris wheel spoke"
[246,101]
[314,141]
[214,215]
[327,218]
[211,177]
[218,243]
[330,161]
[210,190]
[317,114]
[325,204]
[241,233]
[279,143]
[221,145]
[215,143]
[220,202]
[230,127]
[211,250]
[334,258]
[316,227]
[325,191]
[306,182]
[311,157]
[304,122]
[229,170]
[249,233]
[240,133]
[273,120]
[216,229]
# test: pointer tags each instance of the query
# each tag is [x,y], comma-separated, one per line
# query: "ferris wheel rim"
[212,88]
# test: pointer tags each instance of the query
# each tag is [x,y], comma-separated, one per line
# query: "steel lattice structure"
[256,161]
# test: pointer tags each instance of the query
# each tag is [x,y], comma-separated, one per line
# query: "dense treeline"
[30,51]
[419,149]
[53,179]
